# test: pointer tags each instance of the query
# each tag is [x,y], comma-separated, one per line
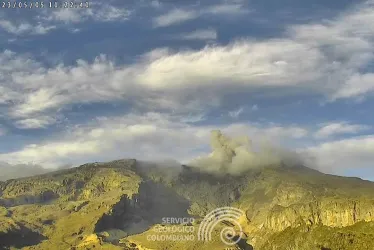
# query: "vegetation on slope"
[116,205]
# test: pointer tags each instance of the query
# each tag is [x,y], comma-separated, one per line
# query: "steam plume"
[237,155]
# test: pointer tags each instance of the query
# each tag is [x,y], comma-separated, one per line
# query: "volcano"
[117,205]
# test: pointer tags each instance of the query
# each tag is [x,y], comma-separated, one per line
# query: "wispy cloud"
[236,113]
[35,123]
[202,34]
[174,17]
[177,16]
[339,128]
[99,12]
[227,9]
[48,20]
[22,28]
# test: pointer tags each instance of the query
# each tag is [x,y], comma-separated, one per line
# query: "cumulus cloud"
[348,40]
[335,55]
[156,137]
[327,58]
[207,75]
[336,128]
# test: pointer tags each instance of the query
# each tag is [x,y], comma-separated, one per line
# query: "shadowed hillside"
[117,204]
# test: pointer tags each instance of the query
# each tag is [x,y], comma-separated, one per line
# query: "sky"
[141,79]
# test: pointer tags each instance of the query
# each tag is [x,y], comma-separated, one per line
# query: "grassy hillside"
[117,205]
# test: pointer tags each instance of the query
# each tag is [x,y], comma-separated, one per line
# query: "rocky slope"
[116,205]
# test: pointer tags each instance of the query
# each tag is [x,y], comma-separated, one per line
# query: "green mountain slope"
[118,205]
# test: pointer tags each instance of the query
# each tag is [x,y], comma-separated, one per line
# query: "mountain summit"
[117,205]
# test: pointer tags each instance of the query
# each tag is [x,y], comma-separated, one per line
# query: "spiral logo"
[231,234]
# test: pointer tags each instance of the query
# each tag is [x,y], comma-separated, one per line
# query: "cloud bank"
[178,91]
[335,52]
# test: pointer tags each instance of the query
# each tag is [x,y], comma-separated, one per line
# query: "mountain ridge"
[113,205]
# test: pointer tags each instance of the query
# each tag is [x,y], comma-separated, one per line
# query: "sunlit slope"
[115,205]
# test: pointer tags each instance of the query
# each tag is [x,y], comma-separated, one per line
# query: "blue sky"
[151,79]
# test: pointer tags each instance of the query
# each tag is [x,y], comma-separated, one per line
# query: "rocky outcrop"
[333,213]
[138,213]
[18,236]
[43,197]
[101,203]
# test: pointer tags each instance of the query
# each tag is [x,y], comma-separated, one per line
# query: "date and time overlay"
[45,4]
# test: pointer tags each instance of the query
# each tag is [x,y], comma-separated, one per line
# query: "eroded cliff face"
[62,208]
[138,213]
[330,212]
[107,204]
[303,200]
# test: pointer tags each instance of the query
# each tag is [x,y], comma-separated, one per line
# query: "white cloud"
[52,19]
[326,58]
[337,156]
[11,28]
[25,28]
[335,53]
[207,74]
[100,12]
[174,17]
[39,29]
[110,14]
[203,34]
[150,136]
[244,63]
[67,15]
[356,85]
[34,123]
[347,41]
[333,56]
[227,9]
[177,16]
[338,128]
[236,113]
